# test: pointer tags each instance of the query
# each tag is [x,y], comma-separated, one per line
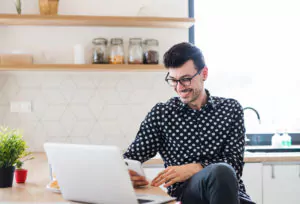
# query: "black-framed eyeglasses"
[185,81]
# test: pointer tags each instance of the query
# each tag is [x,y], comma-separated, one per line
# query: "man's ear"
[205,73]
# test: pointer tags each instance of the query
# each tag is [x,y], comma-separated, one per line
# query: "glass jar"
[100,51]
[135,51]
[151,54]
[116,55]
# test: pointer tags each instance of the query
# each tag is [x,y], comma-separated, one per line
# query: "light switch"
[20,107]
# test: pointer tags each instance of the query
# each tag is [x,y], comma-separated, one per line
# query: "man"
[200,137]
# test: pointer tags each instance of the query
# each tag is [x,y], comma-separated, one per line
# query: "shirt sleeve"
[148,139]
[233,151]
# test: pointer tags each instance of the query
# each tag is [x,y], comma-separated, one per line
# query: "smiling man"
[200,137]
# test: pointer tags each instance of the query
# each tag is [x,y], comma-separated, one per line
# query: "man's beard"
[195,95]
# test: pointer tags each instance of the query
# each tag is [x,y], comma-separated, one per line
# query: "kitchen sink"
[268,148]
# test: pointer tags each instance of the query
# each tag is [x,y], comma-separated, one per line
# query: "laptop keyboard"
[144,201]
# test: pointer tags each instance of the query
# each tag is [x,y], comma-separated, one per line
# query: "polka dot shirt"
[181,135]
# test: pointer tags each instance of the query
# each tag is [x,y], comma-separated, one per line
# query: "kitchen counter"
[249,157]
[34,190]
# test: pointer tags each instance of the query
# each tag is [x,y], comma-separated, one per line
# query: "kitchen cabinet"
[266,183]
[281,183]
[252,177]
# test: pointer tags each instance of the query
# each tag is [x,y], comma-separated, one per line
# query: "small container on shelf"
[48,7]
[151,54]
[16,59]
[116,55]
[135,51]
[100,51]
[78,52]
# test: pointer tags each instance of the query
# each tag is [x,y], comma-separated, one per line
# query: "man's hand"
[174,174]
[137,180]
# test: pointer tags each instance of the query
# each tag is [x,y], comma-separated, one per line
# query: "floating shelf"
[83,67]
[72,20]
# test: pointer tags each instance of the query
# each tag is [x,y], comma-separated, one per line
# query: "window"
[251,49]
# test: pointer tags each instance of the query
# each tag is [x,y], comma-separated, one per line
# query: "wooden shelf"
[72,20]
[84,67]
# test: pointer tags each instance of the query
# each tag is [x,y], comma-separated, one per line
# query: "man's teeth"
[187,90]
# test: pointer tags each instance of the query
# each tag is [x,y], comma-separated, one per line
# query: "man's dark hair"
[180,53]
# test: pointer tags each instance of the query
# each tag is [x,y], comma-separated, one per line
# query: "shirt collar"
[210,103]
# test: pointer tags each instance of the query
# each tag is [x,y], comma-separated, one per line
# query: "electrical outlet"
[20,107]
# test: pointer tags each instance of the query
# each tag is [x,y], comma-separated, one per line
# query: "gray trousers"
[215,184]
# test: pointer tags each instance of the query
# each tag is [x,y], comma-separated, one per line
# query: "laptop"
[95,174]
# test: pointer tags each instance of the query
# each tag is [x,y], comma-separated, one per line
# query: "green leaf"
[13,149]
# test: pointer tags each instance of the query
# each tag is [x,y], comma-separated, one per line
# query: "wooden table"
[35,188]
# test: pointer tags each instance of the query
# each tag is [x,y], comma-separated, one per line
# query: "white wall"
[252,49]
[83,107]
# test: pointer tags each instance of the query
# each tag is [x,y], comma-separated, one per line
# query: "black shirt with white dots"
[181,135]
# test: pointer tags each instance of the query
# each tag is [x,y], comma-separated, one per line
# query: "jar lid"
[116,41]
[135,40]
[100,41]
[151,42]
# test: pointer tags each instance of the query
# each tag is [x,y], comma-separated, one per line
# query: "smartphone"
[135,166]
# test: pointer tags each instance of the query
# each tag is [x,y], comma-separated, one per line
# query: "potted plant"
[12,147]
[20,173]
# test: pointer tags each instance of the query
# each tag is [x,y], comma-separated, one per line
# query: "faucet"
[257,114]
[258,117]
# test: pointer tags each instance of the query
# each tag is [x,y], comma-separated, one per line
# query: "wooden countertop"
[34,190]
[38,177]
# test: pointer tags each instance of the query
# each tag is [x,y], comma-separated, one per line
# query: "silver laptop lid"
[91,173]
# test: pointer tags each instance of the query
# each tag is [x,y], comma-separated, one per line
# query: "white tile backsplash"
[54,112]
[4,99]
[96,137]
[110,127]
[68,89]
[67,110]
[10,88]
[54,129]
[26,80]
[84,81]
[82,112]
[53,80]
[83,96]
[80,140]
[124,85]
[3,79]
[3,110]
[27,94]
[40,106]
[54,97]
[82,129]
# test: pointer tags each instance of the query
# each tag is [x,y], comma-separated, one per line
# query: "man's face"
[188,93]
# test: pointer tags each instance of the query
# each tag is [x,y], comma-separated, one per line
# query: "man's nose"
[179,86]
